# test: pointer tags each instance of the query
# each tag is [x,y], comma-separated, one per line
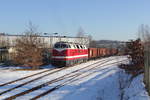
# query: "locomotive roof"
[69,42]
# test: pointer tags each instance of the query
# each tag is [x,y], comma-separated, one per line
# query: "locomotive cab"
[59,54]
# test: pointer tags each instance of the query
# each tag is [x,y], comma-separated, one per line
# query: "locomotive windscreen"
[61,45]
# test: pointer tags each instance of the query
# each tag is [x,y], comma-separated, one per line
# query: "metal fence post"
[148,60]
[146,66]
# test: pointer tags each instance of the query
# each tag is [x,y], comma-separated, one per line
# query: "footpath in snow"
[105,83]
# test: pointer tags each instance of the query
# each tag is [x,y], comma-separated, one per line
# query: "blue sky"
[103,19]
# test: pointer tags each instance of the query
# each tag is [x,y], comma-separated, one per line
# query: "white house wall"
[48,40]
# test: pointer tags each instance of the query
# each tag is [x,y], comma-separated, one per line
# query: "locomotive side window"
[75,46]
[69,46]
[78,46]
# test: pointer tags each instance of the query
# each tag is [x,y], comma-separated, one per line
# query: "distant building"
[48,40]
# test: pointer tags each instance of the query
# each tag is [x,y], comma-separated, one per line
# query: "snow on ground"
[103,84]
[10,73]
[136,90]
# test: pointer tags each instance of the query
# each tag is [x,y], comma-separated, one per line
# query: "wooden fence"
[147,66]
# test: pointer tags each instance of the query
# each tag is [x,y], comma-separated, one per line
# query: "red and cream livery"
[67,54]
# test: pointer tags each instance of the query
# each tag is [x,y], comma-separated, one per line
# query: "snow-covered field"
[105,82]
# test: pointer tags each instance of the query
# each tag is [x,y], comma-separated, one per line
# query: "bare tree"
[93,44]
[80,35]
[4,41]
[80,32]
[83,38]
[144,32]
[28,48]
[91,41]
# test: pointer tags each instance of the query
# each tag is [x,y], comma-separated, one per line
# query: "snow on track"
[102,84]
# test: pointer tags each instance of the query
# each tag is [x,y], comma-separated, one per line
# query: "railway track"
[24,77]
[50,82]
[10,82]
[20,85]
[71,75]
[35,79]
[72,79]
